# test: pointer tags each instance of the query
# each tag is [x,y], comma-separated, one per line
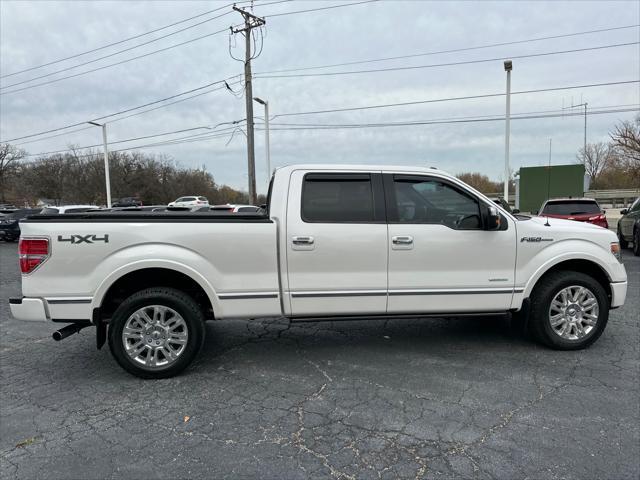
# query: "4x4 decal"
[75,239]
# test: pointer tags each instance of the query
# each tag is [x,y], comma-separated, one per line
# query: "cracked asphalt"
[418,398]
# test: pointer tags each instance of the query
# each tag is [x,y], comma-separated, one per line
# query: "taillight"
[33,252]
[597,217]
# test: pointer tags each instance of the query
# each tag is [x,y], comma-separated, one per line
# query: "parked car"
[189,202]
[7,208]
[334,242]
[145,208]
[629,227]
[504,204]
[62,209]
[236,208]
[10,223]
[127,202]
[578,209]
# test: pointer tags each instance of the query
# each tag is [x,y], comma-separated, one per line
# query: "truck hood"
[559,229]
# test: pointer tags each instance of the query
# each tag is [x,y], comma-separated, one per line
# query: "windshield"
[570,207]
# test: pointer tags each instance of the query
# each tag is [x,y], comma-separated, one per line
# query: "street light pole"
[106,160]
[266,139]
[508,66]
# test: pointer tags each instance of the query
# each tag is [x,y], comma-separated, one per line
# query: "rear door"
[336,244]
[440,257]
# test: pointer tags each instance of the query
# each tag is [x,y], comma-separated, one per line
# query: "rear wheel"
[569,310]
[623,243]
[156,333]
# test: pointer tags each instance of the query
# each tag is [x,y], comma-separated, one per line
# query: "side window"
[337,198]
[431,201]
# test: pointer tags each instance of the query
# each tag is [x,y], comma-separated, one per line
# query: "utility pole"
[508,66]
[250,22]
[107,180]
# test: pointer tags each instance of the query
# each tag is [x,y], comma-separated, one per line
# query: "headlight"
[615,250]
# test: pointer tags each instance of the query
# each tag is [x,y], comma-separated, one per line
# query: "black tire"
[636,242]
[623,243]
[173,299]
[543,294]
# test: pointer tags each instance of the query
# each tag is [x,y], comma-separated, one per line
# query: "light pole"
[266,139]
[106,160]
[508,66]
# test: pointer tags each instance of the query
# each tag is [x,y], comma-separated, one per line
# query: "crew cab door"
[440,257]
[336,244]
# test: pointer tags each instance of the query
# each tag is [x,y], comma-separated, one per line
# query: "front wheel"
[156,333]
[569,310]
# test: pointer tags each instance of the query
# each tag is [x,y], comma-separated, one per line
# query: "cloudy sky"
[39,32]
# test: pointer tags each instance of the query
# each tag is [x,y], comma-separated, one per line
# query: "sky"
[33,33]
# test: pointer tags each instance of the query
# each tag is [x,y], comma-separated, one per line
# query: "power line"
[218,82]
[114,53]
[119,42]
[319,8]
[492,118]
[114,64]
[456,50]
[466,62]
[449,99]
[126,140]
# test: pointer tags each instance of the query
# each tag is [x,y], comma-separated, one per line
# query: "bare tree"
[626,140]
[595,158]
[9,155]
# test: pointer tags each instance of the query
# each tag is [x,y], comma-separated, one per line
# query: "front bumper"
[618,294]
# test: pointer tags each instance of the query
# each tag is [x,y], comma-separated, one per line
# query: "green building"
[537,184]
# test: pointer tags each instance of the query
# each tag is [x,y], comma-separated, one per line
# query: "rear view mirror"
[624,211]
[493,219]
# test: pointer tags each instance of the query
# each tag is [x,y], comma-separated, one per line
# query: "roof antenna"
[549,180]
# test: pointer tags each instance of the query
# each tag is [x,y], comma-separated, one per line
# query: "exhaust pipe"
[66,331]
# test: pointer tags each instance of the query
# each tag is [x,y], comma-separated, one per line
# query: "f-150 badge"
[535,239]
[75,239]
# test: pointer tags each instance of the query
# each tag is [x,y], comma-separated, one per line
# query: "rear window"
[337,198]
[570,207]
[248,209]
[203,199]
[49,211]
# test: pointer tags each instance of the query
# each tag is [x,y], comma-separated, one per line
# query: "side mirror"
[493,219]
[624,211]
[515,210]
[604,211]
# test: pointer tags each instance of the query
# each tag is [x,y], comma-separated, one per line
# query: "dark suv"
[127,202]
[10,224]
[629,227]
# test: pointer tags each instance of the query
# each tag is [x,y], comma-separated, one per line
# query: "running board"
[343,318]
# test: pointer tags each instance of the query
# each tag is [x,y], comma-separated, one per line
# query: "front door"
[336,244]
[440,257]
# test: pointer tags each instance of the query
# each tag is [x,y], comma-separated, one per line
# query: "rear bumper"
[51,309]
[618,294]
[29,309]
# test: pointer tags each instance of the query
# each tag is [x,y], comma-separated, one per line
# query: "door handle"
[302,240]
[402,240]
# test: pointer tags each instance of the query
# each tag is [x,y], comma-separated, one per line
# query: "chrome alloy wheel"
[155,336]
[573,312]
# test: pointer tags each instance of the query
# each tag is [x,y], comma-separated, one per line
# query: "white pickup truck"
[335,242]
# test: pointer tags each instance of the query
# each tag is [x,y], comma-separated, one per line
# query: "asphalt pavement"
[417,398]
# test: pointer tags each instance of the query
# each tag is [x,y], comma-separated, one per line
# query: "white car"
[62,209]
[189,202]
[231,208]
[356,242]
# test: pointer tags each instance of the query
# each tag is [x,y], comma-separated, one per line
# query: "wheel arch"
[587,266]
[141,275]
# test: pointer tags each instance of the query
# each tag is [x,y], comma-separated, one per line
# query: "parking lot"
[432,398]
